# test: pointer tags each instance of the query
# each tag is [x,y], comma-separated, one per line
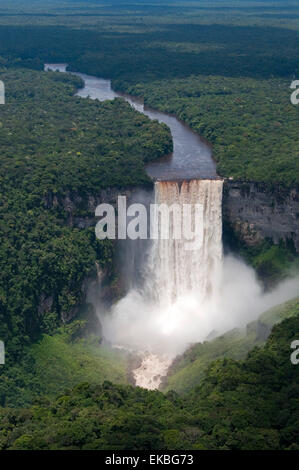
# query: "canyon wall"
[256,211]
[77,210]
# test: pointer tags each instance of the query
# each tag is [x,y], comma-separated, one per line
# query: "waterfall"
[174,270]
[169,309]
[187,295]
[177,274]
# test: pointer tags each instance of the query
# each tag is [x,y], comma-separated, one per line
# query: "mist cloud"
[160,328]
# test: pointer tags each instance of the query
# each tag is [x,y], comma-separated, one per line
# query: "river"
[175,268]
[191,157]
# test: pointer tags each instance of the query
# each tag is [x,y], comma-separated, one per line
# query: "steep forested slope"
[250,404]
[188,370]
[229,82]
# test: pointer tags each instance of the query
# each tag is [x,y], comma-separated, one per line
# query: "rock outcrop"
[256,211]
[80,209]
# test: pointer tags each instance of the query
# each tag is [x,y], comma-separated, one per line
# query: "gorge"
[184,297]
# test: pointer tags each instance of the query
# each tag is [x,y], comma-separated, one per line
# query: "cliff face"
[72,204]
[255,211]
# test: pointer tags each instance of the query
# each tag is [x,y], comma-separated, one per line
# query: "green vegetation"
[245,405]
[189,369]
[60,364]
[137,17]
[56,363]
[273,262]
[251,123]
[229,78]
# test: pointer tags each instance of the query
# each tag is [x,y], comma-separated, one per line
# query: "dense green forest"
[245,405]
[226,71]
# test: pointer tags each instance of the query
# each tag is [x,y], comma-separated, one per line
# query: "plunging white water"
[177,267]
